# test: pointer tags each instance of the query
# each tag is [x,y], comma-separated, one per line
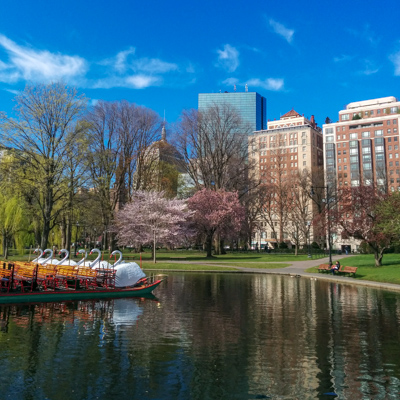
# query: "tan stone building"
[288,154]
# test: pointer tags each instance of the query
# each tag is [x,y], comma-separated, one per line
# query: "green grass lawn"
[229,258]
[210,266]
[147,266]
[389,272]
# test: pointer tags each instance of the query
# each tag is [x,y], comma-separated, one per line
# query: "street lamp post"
[308,238]
[327,216]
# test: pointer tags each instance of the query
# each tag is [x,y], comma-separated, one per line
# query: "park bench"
[348,270]
[324,268]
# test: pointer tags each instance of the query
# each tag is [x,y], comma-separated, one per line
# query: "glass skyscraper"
[251,106]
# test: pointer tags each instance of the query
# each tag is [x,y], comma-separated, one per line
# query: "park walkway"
[297,269]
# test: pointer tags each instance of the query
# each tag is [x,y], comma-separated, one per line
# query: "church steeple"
[163,131]
[163,134]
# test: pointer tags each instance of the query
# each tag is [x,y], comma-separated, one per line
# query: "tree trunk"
[154,247]
[222,246]
[378,258]
[217,249]
[208,244]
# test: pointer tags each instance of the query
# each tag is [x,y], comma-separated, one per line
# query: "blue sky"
[315,57]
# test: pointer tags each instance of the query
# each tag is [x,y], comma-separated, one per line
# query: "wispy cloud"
[370,68]
[343,58]
[366,34]
[38,65]
[274,84]
[125,69]
[395,59]
[228,58]
[125,61]
[281,30]
[231,81]
[128,70]
[130,81]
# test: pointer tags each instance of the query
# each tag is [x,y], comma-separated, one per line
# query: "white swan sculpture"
[65,260]
[83,262]
[97,263]
[127,274]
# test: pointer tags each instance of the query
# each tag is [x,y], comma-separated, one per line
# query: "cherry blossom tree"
[216,212]
[153,220]
[359,216]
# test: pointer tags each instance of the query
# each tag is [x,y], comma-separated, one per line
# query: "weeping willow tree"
[13,223]
[46,127]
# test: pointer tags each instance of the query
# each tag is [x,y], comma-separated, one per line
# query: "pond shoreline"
[296,269]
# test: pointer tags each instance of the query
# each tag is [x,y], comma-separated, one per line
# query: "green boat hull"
[68,295]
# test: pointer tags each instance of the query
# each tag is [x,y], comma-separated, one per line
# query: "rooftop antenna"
[246,88]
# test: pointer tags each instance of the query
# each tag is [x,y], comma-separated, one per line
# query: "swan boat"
[43,280]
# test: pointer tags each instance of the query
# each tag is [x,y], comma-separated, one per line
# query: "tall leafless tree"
[214,145]
[121,135]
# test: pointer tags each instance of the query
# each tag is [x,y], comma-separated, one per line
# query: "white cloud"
[143,81]
[125,69]
[153,66]
[138,81]
[231,81]
[38,65]
[281,30]
[366,34]
[369,68]
[120,59]
[228,58]
[274,84]
[343,58]
[395,59]
[125,61]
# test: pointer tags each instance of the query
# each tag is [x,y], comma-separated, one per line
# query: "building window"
[390,155]
[338,137]
[344,159]
[390,147]
[379,132]
[372,112]
[338,129]
[353,135]
[393,109]
[304,163]
[345,117]
[378,111]
[365,134]
[344,137]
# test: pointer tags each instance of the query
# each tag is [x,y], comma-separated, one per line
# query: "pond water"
[207,336]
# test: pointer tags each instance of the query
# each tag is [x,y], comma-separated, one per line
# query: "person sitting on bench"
[335,268]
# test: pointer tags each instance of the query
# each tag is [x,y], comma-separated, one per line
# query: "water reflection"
[208,336]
